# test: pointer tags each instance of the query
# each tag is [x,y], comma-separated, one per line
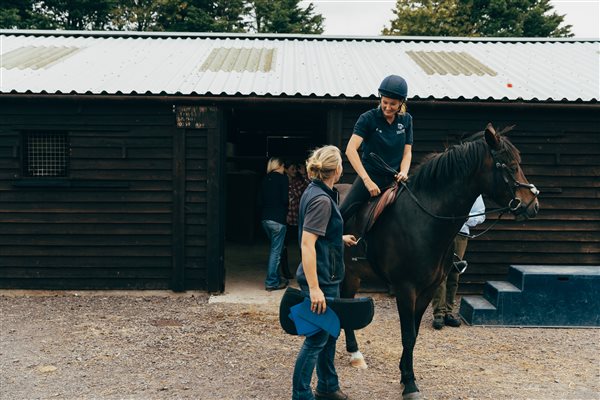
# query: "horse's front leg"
[349,288]
[405,301]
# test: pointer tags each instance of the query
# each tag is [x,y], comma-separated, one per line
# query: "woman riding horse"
[409,245]
[386,131]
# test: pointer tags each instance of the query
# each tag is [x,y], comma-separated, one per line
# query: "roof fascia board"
[299,100]
[268,36]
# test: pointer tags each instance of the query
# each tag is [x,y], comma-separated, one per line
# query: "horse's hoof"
[357,360]
[412,396]
[359,363]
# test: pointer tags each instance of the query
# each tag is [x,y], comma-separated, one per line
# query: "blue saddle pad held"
[308,323]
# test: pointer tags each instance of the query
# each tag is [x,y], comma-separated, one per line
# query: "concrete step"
[497,292]
[476,310]
[538,275]
[539,295]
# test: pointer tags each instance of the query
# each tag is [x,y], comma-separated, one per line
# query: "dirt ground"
[166,346]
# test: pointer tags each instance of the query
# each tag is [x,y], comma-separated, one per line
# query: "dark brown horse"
[409,247]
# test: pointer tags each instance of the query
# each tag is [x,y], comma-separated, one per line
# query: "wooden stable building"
[127,159]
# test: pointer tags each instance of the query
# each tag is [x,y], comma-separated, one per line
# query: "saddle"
[353,313]
[368,214]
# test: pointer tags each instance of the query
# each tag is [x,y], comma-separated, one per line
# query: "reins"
[385,168]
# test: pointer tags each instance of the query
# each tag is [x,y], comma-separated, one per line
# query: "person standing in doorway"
[443,301]
[298,183]
[291,172]
[274,200]
[320,272]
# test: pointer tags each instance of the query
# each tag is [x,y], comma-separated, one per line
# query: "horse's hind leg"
[349,288]
[406,302]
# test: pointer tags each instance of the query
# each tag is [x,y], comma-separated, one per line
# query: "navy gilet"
[329,248]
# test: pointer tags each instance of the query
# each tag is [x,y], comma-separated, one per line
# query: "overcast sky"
[368,17]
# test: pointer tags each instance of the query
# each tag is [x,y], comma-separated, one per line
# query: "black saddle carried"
[353,313]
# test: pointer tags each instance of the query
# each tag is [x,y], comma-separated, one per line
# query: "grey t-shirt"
[317,216]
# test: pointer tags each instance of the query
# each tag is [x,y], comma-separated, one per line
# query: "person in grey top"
[321,271]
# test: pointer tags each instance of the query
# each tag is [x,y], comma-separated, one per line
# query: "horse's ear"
[492,139]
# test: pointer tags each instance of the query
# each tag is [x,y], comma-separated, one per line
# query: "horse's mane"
[458,161]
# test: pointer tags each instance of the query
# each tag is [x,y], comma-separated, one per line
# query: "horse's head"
[507,184]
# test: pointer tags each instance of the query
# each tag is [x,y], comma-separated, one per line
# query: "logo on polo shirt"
[400,130]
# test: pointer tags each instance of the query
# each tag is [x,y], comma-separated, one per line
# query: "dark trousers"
[317,351]
[284,266]
[358,194]
[444,297]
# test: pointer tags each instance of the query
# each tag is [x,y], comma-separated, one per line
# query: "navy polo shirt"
[384,139]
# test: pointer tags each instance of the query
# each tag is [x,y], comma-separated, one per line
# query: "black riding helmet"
[394,87]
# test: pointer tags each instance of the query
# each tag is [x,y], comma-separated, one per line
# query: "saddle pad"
[308,323]
[353,313]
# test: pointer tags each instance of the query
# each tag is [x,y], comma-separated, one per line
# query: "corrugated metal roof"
[273,65]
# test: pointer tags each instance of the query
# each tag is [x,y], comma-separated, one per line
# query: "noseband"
[513,184]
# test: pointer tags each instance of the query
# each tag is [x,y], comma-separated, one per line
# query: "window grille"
[46,154]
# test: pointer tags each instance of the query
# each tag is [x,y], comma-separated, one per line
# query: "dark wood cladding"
[560,154]
[143,205]
[131,213]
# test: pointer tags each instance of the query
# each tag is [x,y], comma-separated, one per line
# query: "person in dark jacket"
[274,199]
[320,228]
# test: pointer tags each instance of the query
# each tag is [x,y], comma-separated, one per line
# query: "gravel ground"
[167,346]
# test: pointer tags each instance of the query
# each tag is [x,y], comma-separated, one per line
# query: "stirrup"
[460,266]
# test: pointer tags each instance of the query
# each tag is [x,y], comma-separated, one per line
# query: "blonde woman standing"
[321,271]
[274,199]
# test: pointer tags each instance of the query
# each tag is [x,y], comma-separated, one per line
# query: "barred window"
[46,154]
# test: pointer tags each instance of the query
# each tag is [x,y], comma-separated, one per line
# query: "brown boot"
[337,395]
[438,322]
[451,320]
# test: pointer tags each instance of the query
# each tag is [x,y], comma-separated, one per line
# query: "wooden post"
[334,127]
[215,246]
[178,243]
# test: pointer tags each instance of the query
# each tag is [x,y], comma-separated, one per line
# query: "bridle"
[513,184]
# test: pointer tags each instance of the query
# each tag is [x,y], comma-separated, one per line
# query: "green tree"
[202,16]
[77,14]
[527,18]
[514,18]
[426,18]
[284,16]
[272,16]
[23,14]
[135,15]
